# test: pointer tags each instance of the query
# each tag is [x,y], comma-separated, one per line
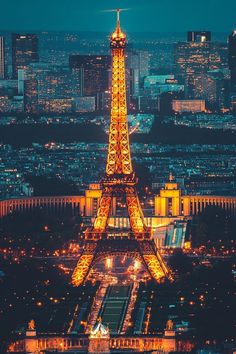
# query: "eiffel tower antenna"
[118,17]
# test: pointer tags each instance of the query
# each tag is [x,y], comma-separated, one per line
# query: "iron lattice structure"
[119,180]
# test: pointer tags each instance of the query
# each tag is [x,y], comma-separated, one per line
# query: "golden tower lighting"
[119,180]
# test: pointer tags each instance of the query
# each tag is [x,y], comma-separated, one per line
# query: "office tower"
[194,58]
[218,59]
[31,90]
[232,61]
[2,58]
[191,59]
[213,87]
[24,51]
[137,68]
[50,88]
[144,64]
[132,73]
[199,36]
[94,71]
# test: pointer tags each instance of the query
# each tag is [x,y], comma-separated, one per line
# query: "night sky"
[143,15]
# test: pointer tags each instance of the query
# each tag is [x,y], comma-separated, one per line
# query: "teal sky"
[142,16]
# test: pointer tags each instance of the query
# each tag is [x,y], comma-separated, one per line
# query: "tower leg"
[84,264]
[153,261]
[101,220]
[135,212]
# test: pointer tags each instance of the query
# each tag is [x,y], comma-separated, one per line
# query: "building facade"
[195,57]
[24,51]
[232,67]
[94,72]
[194,106]
[50,88]
[2,58]
[172,203]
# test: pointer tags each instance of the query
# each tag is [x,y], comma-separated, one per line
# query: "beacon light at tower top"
[118,38]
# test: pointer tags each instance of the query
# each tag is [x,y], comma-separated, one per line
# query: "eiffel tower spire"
[118,158]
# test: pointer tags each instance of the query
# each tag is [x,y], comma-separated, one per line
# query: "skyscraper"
[24,51]
[50,88]
[199,36]
[232,60]
[94,72]
[194,58]
[214,88]
[144,64]
[191,59]
[2,58]
[132,73]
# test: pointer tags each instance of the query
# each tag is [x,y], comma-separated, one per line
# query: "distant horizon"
[148,35]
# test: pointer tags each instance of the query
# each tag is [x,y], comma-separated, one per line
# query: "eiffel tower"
[119,180]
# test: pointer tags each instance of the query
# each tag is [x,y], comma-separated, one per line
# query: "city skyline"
[155,16]
[118,180]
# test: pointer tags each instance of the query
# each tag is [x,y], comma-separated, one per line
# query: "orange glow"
[109,263]
[120,179]
[187,245]
[136,265]
[81,270]
[119,169]
[157,267]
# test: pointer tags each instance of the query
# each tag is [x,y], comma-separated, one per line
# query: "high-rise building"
[232,60]
[144,64]
[132,73]
[48,86]
[94,71]
[214,88]
[2,58]
[199,36]
[24,51]
[158,91]
[195,57]
[191,59]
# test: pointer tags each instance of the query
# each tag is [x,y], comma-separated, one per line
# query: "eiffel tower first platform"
[119,181]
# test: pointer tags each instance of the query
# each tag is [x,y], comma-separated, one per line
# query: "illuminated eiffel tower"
[119,181]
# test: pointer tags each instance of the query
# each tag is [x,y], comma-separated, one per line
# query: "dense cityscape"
[118,191]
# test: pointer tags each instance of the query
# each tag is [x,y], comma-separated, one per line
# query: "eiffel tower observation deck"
[119,181]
